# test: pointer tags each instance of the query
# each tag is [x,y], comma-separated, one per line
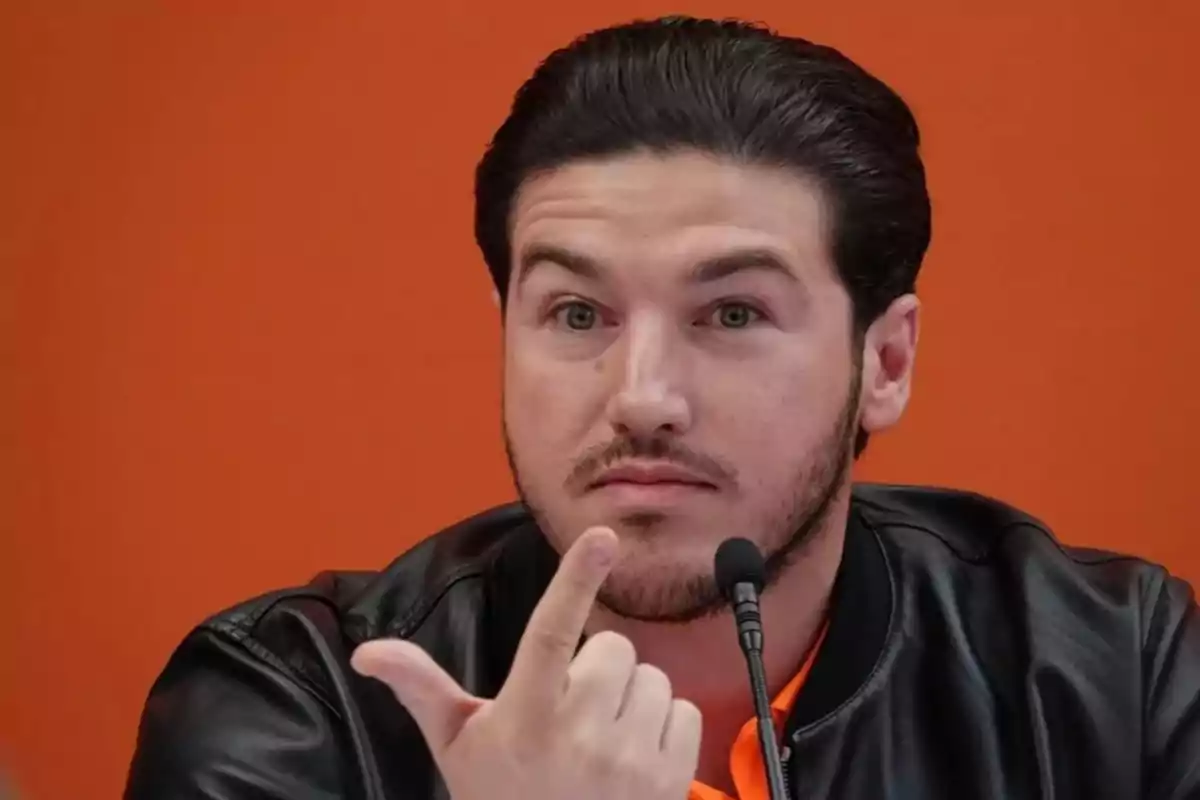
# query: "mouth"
[651,477]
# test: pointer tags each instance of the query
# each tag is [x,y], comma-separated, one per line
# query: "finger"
[539,669]
[681,735]
[647,706]
[436,702]
[599,678]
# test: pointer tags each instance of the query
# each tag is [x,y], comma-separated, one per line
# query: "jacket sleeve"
[1172,755]
[226,721]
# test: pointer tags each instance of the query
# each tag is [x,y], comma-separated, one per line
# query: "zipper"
[785,758]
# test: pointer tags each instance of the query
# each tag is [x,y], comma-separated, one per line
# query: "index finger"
[551,637]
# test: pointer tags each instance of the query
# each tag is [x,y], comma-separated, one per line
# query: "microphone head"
[739,561]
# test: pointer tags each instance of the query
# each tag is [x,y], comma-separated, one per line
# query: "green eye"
[576,316]
[736,315]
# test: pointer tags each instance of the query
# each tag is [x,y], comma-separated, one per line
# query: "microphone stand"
[750,636]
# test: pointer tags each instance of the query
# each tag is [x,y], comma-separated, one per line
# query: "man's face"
[680,365]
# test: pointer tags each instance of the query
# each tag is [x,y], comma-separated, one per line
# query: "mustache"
[601,457]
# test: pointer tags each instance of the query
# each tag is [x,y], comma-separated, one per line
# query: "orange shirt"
[745,758]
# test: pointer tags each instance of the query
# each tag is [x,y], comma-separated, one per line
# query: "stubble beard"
[684,598]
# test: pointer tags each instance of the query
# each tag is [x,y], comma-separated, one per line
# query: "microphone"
[741,574]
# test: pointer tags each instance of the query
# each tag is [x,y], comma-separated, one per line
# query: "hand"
[598,726]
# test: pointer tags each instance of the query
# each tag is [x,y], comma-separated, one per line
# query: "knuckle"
[646,774]
[614,645]
[594,753]
[654,679]
[629,767]
[546,640]
[605,657]
[608,762]
[618,764]
[685,715]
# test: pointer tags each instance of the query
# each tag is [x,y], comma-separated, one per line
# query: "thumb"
[438,704]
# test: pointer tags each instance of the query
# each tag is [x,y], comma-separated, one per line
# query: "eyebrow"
[708,270]
[753,259]
[540,254]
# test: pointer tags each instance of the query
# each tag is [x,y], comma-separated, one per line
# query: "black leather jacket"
[969,657]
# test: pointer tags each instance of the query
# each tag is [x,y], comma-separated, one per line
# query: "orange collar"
[745,759]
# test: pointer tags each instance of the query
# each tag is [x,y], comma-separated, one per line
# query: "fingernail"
[604,553]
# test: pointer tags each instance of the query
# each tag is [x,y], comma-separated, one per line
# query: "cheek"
[543,408]
[775,414]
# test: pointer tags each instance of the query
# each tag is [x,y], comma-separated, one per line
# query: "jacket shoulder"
[940,528]
[1054,631]
[972,526]
[969,525]
[261,694]
[366,604]
[306,633]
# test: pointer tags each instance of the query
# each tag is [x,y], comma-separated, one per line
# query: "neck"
[793,610]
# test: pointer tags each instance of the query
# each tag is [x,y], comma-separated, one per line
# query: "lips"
[651,474]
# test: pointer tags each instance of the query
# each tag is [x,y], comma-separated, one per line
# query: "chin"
[669,592]
[672,548]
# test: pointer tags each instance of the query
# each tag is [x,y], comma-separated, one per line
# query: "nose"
[649,399]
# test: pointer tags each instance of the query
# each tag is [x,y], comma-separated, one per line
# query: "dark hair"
[733,89]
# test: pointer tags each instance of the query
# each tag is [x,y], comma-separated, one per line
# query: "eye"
[575,315]
[734,315]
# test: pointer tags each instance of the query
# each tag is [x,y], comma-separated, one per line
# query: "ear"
[496,296]
[889,351]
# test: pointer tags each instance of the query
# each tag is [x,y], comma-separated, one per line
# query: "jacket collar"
[859,620]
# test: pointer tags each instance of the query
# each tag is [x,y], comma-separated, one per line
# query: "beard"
[783,532]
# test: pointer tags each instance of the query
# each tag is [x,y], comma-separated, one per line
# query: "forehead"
[672,206]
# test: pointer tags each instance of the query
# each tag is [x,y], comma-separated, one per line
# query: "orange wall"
[254,337]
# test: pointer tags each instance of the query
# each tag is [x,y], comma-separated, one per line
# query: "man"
[705,238]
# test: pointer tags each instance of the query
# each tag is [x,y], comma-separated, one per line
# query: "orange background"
[250,335]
